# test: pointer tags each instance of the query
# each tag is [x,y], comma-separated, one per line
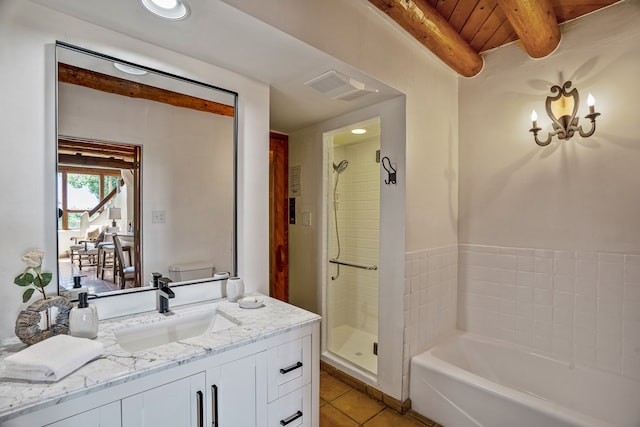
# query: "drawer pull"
[291,368]
[214,405]
[291,419]
[199,409]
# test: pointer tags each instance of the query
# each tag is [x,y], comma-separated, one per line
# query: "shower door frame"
[343,364]
[391,378]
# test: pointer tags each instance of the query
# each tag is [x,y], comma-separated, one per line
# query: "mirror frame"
[138,239]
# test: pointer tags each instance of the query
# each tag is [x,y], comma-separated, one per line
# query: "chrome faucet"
[164,294]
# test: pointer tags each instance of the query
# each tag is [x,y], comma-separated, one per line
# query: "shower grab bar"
[349,264]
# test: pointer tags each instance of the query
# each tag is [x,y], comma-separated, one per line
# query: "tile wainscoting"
[581,307]
[430,295]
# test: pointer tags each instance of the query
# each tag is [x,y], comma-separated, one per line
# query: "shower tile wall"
[355,293]
[581,307]
[430,295]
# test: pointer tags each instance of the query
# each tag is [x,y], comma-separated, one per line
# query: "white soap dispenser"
[77,287]
[83,319]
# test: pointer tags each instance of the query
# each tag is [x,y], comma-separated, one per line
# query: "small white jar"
[235,289]
[221,275]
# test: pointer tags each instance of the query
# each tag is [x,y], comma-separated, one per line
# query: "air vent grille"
[338,86]
[329,81]
[352,95]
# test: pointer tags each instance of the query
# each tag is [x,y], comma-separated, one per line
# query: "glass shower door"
[353,249]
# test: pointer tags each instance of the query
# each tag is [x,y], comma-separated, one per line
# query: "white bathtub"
[474,381]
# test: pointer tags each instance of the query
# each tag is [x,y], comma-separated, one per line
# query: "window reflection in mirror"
[98,202]
[147,161]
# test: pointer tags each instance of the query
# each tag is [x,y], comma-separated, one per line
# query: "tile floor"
[343,406]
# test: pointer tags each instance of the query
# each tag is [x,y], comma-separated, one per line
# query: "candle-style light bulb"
[591,102]
[534,118]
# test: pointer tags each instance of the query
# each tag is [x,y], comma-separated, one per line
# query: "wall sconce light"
[562,109]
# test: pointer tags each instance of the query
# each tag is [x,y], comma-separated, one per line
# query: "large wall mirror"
[146,167]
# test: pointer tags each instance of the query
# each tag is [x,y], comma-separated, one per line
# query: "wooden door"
[278,216]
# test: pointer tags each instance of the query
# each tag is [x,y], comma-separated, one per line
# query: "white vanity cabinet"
[224,395]
[178,403]
[233,393]
[289,373]
[293,409]
[105,416]
[269,382]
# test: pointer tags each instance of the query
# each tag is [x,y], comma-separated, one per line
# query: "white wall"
[551,235]
[305,246]
[186,171]
[27,160]
[308,248]
[576,194]
[357,33]
[363,37]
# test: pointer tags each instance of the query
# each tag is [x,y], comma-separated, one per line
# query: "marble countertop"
[117,366]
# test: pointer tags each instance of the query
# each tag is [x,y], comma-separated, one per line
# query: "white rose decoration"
[33,258]
[33,278]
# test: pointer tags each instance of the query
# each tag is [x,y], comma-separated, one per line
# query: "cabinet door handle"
[214,405]
[291,368]
[291,419]
[199,415]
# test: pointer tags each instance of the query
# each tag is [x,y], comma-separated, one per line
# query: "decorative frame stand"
[28,321]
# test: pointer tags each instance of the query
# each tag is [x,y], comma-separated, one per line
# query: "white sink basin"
[175,328]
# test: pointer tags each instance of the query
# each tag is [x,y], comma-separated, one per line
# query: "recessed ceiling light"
[167,9]
[358,131]
[129,69]
[166,4]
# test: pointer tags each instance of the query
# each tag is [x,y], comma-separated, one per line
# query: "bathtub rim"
[429,361]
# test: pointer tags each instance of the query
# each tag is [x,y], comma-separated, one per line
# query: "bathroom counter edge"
[117,366]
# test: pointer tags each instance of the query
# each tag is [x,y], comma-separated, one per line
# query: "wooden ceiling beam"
[535,23]
[89,170]
[424,23]
[103,82]
[101,149]
[98,162]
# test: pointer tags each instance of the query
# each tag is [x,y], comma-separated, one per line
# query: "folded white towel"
[52,359]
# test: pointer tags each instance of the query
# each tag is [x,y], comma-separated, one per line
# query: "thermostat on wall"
[292,210]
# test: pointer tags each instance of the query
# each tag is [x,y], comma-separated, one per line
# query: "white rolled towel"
[52,359]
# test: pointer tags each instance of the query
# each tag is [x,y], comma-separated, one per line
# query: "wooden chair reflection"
[125,272]
[76,247]
[106,259]
[84,246]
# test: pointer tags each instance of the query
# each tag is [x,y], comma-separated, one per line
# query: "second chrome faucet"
[164,292]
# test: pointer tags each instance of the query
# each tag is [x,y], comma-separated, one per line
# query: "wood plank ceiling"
[459,31]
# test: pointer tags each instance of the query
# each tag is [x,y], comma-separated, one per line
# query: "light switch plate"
[306,219]
[159,217]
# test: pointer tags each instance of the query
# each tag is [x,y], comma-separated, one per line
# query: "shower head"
[340,167]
